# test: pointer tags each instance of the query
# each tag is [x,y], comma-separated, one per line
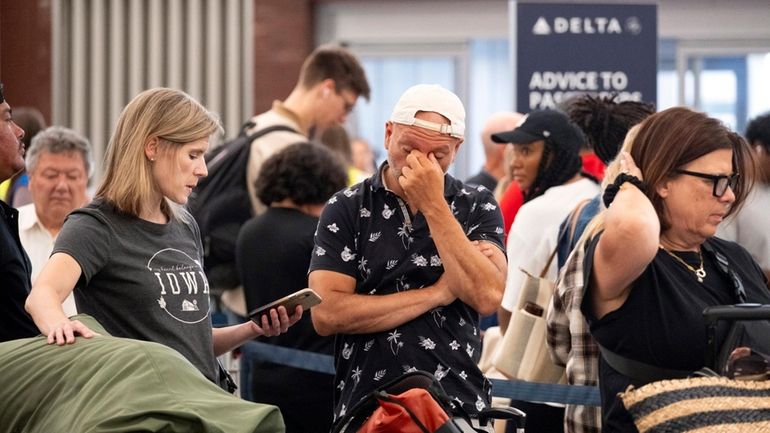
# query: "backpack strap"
[243,141]
[264,131]
[247,127]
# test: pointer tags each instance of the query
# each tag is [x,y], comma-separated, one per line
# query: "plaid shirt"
[570,341]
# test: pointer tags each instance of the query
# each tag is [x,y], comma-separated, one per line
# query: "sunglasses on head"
[721,181]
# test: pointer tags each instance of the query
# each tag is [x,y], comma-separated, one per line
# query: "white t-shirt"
[38,243]
[538,222]
[750,228]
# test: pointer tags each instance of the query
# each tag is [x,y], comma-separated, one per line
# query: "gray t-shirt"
[142,280]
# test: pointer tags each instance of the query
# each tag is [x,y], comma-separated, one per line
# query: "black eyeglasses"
[721,181]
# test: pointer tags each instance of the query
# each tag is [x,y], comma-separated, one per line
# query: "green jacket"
[108,385]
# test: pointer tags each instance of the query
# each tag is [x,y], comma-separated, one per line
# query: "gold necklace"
[700,273]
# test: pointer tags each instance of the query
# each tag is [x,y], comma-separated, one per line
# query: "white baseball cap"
[431,97]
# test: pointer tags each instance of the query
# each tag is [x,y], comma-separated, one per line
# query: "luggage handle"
[745,311]
[713,314]
[504,413]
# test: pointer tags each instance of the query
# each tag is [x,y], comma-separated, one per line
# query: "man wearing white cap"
[407,260]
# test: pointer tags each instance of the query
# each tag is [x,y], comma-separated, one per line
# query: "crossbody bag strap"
[573,217]
[641,372]
[724,267]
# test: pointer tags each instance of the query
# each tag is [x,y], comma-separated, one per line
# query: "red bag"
[415,402]
[412,411]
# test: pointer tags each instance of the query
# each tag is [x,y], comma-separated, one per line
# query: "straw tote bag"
[523,353]
[702,405]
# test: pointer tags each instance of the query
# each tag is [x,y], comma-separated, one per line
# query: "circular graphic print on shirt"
[183,290]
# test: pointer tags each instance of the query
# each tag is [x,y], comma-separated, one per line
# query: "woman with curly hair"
[547,166]
[272,257]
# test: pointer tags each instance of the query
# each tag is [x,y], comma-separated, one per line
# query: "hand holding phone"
[306,298]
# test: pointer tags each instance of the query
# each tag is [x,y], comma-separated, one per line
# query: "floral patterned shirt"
[368,232]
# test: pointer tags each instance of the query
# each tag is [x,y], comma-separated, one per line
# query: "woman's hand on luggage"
[279,322]
[65,331]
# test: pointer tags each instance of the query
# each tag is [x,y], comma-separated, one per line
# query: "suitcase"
[749,322]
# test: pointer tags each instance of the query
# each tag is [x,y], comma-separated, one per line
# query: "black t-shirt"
[15,270]
[272,257]
[368,233]
[661,323]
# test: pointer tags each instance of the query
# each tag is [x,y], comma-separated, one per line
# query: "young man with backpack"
[330,82]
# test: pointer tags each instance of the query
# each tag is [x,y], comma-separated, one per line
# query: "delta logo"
[586,25]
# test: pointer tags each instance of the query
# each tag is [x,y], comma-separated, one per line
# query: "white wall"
[714,19]
[410,21]
[428,21]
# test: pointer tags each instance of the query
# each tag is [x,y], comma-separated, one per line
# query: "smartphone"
[305,297]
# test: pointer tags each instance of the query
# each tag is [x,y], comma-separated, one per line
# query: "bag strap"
[221,152]
[250,124]
[264,131]
[641,372]
[724,266]
[573,218]
[226,381]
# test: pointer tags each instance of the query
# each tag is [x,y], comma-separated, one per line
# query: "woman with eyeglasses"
[651,263]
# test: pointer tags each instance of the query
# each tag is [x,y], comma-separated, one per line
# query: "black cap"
[550,125]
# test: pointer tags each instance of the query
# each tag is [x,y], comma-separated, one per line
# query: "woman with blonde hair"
[652,263]
[134,255]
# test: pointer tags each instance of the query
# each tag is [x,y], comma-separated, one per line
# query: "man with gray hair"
[58,163]
[407,260]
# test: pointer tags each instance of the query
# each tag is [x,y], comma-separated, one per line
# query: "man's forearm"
[350,313]
[473,277]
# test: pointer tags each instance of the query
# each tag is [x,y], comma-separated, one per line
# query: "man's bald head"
[498,122]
